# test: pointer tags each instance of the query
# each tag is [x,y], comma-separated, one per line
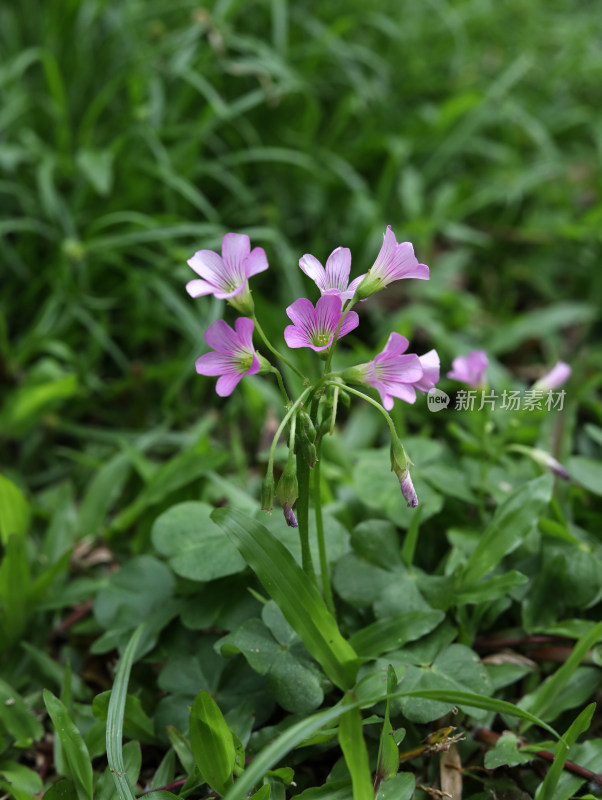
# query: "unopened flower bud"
[542,458]
[289,516]
[287,491]
[267,493]
[307,425]
[400,465]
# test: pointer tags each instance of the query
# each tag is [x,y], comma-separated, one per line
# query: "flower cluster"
[393,373]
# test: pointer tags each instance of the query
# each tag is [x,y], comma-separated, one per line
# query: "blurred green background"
[134,133]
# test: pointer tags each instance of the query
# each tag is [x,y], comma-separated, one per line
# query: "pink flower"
[234,356]
[226,276]
[470,369]
[393,374]
[315,327]
[335,278]
[394,262]
[558,375]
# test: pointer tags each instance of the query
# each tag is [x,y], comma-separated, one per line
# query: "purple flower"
[470,369]
[335,278]
[315,327]
[393,374]
[226,276]
[234,356]
[560,373]
[396,260]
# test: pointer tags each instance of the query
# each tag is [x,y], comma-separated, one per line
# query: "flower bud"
[267,493]
[400,464]
[287,491]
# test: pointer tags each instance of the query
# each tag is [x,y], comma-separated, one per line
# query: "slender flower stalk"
[273,350]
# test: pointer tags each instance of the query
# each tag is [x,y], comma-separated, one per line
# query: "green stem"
[368,399]
[273,350]
[303,518]
[320,531]
[281,384]
[335,338]
[292,410]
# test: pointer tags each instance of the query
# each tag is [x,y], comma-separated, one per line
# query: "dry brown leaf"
[450,772]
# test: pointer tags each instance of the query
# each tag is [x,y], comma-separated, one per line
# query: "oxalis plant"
[358,682]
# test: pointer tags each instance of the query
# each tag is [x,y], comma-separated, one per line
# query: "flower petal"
[296,337]
[431,368]
[398,369]
[337,268]
[235,249]
[198,288]
[227,383]
[209,266]
[257,261]
[222,338]
[396,345]
[347,295]
[350,322]
[244,330]
[255,366]
[302,314]
[213,364]
[314,270]
[328,313]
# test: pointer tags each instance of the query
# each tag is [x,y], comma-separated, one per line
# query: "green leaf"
[14,511]
[506,753]
[20,777]
[141,590]
[136,723]
[196,547]
[115,717]
[393,632]
[298,598]
[512,521]
[351,739]
[16,718]
[63,790]
[212,743]
[587,472]
[295,682]
[102,491]
[388,752]
[72,743]
[97,168]
[542,701]
[261,794]
[579,726]
[180,471]
[400,787]
[14,591]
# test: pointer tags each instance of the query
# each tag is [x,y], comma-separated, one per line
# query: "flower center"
[321,339]
[243,362]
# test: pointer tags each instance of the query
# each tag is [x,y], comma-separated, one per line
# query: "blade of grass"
[115,717]
[73,745]
[299,600]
